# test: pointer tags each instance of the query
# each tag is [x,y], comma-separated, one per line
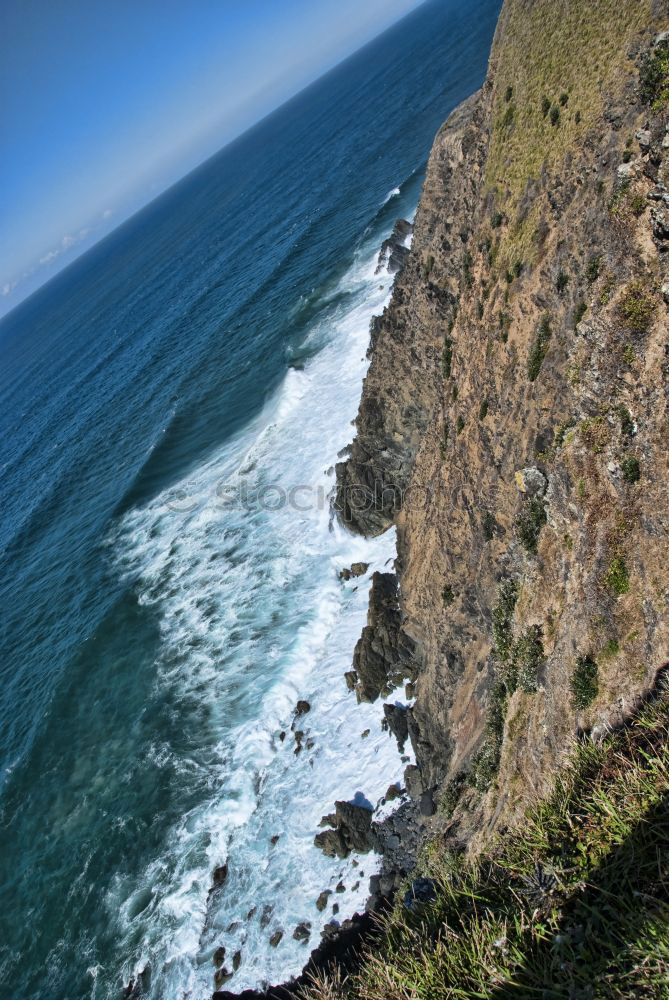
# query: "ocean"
[171,409]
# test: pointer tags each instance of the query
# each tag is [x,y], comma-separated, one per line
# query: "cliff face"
[514,420]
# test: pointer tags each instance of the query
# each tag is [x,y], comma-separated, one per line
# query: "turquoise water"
[156,632]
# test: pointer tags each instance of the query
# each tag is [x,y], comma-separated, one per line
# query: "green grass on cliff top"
[560,60]
[574,904]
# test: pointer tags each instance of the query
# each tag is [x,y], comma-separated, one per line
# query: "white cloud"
[8,288]
[107,214]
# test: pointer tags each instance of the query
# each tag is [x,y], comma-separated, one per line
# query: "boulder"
[322,900]
[276,938]
[532,482]
[219,957]
[332,844]
[221,976]
[220,876]
[302,707]
[355,824]
[302,932]
[413,781]
[357,569]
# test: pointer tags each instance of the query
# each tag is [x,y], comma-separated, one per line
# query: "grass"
[502,620]
[631,469]
[654,77]
[584,683]
[637,307]
[530,521]
[539,349]
[617,576]
[571,904]
[551,49]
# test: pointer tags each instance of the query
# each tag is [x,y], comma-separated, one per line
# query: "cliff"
[514,422]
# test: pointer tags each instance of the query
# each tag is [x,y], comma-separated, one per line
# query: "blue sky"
[107,102]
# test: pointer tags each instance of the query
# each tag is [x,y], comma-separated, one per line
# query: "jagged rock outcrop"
[394,251]
[352,831]
[384,655]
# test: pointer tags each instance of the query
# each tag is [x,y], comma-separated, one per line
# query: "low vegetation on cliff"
[574,903]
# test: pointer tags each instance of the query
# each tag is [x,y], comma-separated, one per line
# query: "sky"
[105,103]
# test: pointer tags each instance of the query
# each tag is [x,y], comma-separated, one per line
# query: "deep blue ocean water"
[155,632]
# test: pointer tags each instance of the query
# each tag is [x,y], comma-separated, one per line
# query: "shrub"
[518,268]
[545,106]
[577,117]
[508,94]
[427,267]
[486,762]
[627,155]
[539,349]
[654,76]
[626,422]
[447,357]
[455,392]
[579,312]
[631,469]
[502,620]
[555,115]
[529,659]
[483,410]
[637,205]
[497,220]
[448,595]
[508,116]
[564,99]
[504,324]
[617,576]
[489,525]
[561,282]
[529,523]
[584,684]
[636,307]
[459,425]
[479,309]
[593,268]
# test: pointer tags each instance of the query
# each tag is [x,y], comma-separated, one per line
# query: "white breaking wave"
[253,617]
[391,194]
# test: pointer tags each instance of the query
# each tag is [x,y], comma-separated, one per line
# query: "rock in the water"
[394,791]
[421,892]
[302,707]
[221,976]
[356,570]
[276,938]
[352,823]
[302,932]
[322,900]
[220,876]
[219,957]
[332,843]
[236,960]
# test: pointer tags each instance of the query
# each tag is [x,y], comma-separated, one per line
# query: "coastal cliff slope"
[514,419]
[514,427]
